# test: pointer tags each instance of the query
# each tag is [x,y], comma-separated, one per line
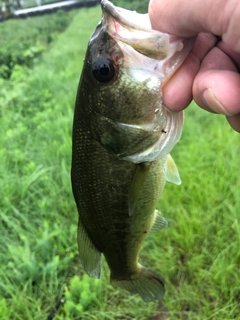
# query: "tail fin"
[145,283]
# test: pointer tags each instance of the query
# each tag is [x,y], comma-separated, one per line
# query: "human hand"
[211,72]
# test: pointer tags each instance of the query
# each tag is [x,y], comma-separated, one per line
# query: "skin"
[211,72]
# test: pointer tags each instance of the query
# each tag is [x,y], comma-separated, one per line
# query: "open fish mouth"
[135,30]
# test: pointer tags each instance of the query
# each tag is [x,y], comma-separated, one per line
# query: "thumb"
[187,18]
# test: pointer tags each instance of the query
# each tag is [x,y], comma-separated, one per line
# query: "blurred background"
[41,57]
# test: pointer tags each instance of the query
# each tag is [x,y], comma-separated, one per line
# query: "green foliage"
[81,296]
[36,204]
[29,38]
[198,255]
[140,6]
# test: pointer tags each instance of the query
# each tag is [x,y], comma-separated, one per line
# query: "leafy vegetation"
[29,38]
[198,255]
[138,5]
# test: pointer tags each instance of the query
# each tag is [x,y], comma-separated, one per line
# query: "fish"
[121,143]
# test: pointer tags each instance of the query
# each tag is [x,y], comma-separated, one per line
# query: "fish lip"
[118,14]
[134,30]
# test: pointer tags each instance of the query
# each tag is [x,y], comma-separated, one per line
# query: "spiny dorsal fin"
[172,174]
[90,257]
[136,185]
[159,222]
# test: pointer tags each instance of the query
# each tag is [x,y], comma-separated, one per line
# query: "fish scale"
[122,136]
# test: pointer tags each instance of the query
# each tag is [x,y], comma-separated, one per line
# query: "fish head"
[127,63]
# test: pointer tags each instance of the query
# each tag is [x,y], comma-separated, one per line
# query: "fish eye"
[103,70]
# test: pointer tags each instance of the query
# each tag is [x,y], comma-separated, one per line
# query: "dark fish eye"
[103,70]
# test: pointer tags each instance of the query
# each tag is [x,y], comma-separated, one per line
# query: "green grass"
[29,38]
[198,255]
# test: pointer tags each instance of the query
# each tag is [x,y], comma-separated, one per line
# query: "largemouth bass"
[122,136]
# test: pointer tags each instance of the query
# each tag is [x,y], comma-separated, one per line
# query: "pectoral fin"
[136,185]
[172,174]
[90,257]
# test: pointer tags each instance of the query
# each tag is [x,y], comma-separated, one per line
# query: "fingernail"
[212,102]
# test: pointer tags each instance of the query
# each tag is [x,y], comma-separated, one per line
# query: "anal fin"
[90,257]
